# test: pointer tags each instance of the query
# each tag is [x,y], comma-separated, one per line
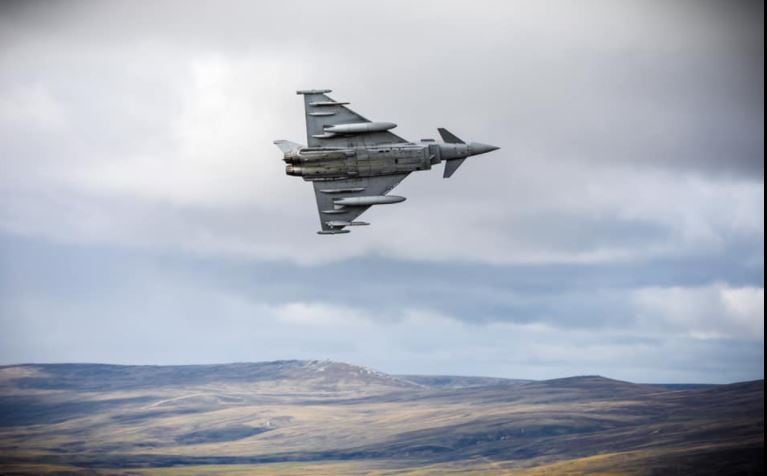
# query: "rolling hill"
[321,417]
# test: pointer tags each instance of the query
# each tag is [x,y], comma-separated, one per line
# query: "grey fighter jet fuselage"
[354,162]
[330,163]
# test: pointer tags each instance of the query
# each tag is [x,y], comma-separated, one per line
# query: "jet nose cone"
[476,148]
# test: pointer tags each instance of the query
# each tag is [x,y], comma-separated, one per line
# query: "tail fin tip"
[287,146]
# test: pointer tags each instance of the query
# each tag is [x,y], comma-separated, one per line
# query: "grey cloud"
[573,296]
[74,302]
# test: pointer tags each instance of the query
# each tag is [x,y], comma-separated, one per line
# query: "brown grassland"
[314,418]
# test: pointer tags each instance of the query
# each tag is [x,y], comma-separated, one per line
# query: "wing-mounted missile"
[342,190]
[343,205]
[340,223]
[356,128]
[337,226]
[368,200]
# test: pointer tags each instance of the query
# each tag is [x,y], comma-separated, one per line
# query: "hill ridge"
[318,414]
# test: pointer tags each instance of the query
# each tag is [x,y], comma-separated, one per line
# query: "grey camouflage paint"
[354,162]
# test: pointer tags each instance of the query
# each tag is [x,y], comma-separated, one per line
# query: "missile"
[360,128]
[367,201]
[339,223]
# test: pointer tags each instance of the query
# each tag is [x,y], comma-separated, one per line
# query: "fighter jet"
[354,162]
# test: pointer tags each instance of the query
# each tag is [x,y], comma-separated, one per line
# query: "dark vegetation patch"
[27,410]
[218,435]
[138,417]
[453,381]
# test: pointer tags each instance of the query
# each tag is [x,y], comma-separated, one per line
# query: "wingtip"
[314,91]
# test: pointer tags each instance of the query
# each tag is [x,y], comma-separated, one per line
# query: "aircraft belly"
[362,165]
[362,162]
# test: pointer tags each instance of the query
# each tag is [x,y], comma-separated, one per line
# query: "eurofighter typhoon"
[354,163]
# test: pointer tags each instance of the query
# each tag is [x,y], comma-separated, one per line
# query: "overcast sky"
[145,216]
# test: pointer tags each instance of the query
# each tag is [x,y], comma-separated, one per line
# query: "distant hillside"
[311,374]
[320,417]
[454,381]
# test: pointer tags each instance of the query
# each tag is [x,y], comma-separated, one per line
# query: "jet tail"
[286,146]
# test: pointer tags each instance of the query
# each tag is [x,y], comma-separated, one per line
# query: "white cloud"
[746,307]
[311,315]
[708,312]
[31,106]
[224,118]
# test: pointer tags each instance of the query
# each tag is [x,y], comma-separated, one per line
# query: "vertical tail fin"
[286,146]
